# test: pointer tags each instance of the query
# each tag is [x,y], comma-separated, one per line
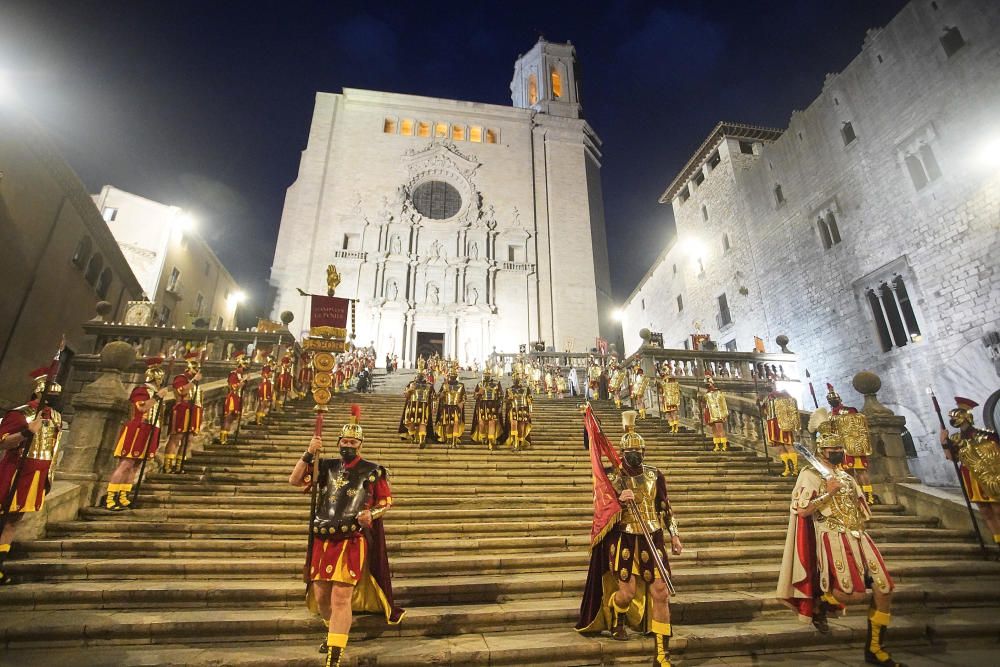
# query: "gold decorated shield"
[323,362]
[786,410]
[853,430]
[715,401]
[324,380]
[671,393]
[982,457]
[321,396]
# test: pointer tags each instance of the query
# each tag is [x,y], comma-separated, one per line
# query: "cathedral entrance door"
[429,342]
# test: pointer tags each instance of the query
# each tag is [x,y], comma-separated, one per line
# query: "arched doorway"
[429,342]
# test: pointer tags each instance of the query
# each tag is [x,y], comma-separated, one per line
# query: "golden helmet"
[631,439]
[352,429]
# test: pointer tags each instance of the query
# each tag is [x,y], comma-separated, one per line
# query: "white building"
[867,231]
[458,226]
[177,270]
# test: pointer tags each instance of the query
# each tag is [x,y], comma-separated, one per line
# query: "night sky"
[206,105]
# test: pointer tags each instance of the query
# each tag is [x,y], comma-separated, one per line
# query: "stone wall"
[902,92]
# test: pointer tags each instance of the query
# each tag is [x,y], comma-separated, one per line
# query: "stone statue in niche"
[386,210]
[356,208]
[395,245]
[517,217]
[474,250]
[433,294]
[391,289]
[436,250]
[472,296]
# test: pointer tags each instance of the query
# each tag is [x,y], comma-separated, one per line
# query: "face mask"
[348,454]
[836,458]
[633,459]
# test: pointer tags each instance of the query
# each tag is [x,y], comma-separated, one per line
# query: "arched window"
[82,253]
[725,243]
[94,267]
[704,212]
[104,283]
[557,89]
[824,233]
[895,318]
[831,223]
[436,200]
[440,130]
[532,89]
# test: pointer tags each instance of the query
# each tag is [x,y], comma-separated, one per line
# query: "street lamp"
[235,299]
[617,314]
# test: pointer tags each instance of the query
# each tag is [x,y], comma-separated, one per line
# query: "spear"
[961,479]
[812,391]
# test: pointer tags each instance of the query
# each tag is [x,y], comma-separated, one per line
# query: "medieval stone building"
[868,230]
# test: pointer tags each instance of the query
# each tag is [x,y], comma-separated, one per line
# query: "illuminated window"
[457,133]
[491,136]
[556,84]
[389,127]
[532,89]
[110,213]
[476,134]
[423,129]
[441,130]
[406,128]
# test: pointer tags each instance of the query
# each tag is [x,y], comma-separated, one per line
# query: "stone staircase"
[488,551]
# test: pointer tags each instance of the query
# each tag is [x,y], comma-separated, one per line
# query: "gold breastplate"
[154,415]
[843,514]
[981,455]
[45,444]
[452,394]
[643,486]
[594,372]
[491,392]
[518,398]
[422,394]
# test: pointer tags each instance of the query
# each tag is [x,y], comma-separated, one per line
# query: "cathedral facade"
[867,231]
[458,227]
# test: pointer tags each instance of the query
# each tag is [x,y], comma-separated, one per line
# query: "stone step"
[47,569]
[502,646]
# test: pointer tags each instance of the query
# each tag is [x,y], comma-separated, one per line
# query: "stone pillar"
[887,465]
[101,406]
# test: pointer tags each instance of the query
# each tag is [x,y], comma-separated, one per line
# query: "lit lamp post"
[235,299]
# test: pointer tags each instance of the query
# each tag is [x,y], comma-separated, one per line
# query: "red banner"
[606,505]
[328,311]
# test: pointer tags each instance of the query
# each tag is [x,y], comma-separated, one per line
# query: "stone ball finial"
[286,317]
[117,355]
[103,309]
[782,341]
[867,382]
[644,335]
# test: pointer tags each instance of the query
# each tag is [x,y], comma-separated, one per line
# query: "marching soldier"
[550,381]
[417,420]
[716,414]
[182,423]
[978,451]
[265,392]
[283,384]
[637,391]
[193,372]
[348,565]
[306,372]
[670,396]
[840,559]
[562,385]
[782,421]
[487,415]
[25,473]
[624,586]
[232,408]
[451,408]
[852,426]
[594,372]
[140,436]
[519,406]
[617,381]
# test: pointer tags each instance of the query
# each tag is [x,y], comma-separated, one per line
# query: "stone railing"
[350,254]
[149,340]
[517,266]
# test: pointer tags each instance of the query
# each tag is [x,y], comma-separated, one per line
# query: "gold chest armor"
[452,394]
[843,514]
[519,398]
[491,392]
[594,372]
[853,429]
[715,401]
[671,392]
[643,486]
[422,395]
[981,455]
[45,445]
[154,415]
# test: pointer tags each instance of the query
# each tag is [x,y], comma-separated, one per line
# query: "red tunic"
[137,434]
[32,481]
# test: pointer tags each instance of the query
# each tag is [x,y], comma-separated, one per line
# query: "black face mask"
[348,454]
[836,458]
[633,459]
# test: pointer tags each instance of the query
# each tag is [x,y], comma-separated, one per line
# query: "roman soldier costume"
[183,422]
[620,549]
[193,371]
[716,414]
[451,408]
[518,414]
[594,372]
[852,427]
[25,469]
[487,417]
[341,549]
[670,396]
[562,387]
[417,420]
[637,391]
[828,553]
[283,386]
[232,407]
[616,381]
[140,436]
[978,452]
[781,414]
[550,382]
[265,391]
[306,372]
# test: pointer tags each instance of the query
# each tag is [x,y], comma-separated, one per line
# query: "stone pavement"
[488,551]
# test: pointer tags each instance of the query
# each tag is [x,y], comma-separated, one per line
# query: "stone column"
[887,465]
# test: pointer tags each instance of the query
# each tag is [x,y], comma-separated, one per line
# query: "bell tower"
[545,79]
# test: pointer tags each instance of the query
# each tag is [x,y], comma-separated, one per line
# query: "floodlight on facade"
[987,156]
[617,314]
[236,298]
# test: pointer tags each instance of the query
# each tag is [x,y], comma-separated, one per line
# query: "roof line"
[721,129]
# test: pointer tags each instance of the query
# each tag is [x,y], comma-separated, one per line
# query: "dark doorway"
[429,342]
